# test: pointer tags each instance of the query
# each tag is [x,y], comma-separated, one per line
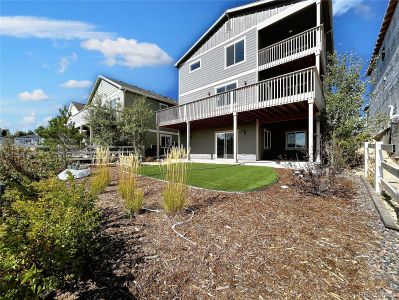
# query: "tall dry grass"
[175,173]
[129,169]
[102,177]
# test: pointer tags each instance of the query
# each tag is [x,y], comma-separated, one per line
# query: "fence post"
[366,159]
[378,168]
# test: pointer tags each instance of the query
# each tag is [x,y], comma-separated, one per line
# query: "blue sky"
[52,51]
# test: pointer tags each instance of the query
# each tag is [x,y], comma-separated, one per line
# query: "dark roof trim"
[79,106]
[384,27]
[215,25]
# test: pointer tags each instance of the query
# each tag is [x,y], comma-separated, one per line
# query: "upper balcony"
[298,86]
[305,43]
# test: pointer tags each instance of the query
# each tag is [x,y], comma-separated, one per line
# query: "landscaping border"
[385,217]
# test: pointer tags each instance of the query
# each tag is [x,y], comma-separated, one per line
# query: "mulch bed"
[270,244]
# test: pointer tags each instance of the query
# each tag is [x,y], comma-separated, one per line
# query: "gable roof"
[131,88]
[384,27]
[79,106]
[218,22]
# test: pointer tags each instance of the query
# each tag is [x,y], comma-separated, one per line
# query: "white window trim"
[245,53]
[193,62]
[296,148]
[216,142]
[165,106]
[225,84]
[264,140]
[166,135]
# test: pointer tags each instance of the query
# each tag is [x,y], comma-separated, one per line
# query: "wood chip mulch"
[271,244]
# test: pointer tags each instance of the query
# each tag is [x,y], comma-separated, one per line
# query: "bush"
[20,166]
[133,196]
[175,192]
[45,240]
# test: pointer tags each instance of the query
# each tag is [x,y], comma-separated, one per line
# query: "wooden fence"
[375,166]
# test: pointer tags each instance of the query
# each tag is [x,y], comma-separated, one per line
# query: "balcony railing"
[297,86]
[297,46]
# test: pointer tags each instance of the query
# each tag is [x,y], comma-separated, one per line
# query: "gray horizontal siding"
[213,65]
[249,78]
[203,140]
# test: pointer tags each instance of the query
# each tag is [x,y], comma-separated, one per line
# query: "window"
[224,99]
[235,53]
[195,66]
[163,106]
[267,139]
[166,141]
[296,140]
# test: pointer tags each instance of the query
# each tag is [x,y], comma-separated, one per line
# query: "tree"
[344,91]
[135,121]
[103,120]
[61,136]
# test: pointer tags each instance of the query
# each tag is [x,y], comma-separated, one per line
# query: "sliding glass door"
[224,144]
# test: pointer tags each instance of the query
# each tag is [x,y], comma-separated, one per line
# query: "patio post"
[188,140]
[235,142]
[178,138]
[157,142]
[310,133]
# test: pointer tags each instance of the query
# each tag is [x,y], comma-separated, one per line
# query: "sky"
[51,52]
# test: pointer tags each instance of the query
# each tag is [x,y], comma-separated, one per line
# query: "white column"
[235,138]
[188,141]
[310,132]
[257,138]
[157,142]
[378,167]
[318,141]
[178,138]
[318,40]
[366,159]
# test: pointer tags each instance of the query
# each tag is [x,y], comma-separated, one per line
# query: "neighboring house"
[116,91]
[32,140]
[384,66]
[250,87]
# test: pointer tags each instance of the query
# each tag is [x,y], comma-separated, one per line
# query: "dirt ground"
[271,244]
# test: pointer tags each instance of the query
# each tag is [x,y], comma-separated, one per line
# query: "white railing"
[297,46]
[288,88]
[80,118]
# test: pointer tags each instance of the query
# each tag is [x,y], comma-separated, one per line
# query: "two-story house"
[250,86]
[384,66]
[124,94]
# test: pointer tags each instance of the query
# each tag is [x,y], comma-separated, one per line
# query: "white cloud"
[76,84]
[36,27]
[35,95]
[340,7]
[29,119]
[128,52]
[65,61]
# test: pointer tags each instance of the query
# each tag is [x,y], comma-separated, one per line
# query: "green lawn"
[231,178]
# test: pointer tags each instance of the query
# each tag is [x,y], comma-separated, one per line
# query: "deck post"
[318,35]
[188,140]
[318,141]
[378,167]
[257,139]
[91,135]
[178,138]
[157,142]
[310,133]
[235,141]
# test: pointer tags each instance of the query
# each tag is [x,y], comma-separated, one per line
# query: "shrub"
[102,177]
[175,192]
[20,166]
[45,240]
[133,196]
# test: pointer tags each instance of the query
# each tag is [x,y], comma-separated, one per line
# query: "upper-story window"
[163,106]
[235,53]
[225,98]
[195,65]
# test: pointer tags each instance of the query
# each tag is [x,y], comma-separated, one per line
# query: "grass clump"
[102,176]
[175,173]
[129,169]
